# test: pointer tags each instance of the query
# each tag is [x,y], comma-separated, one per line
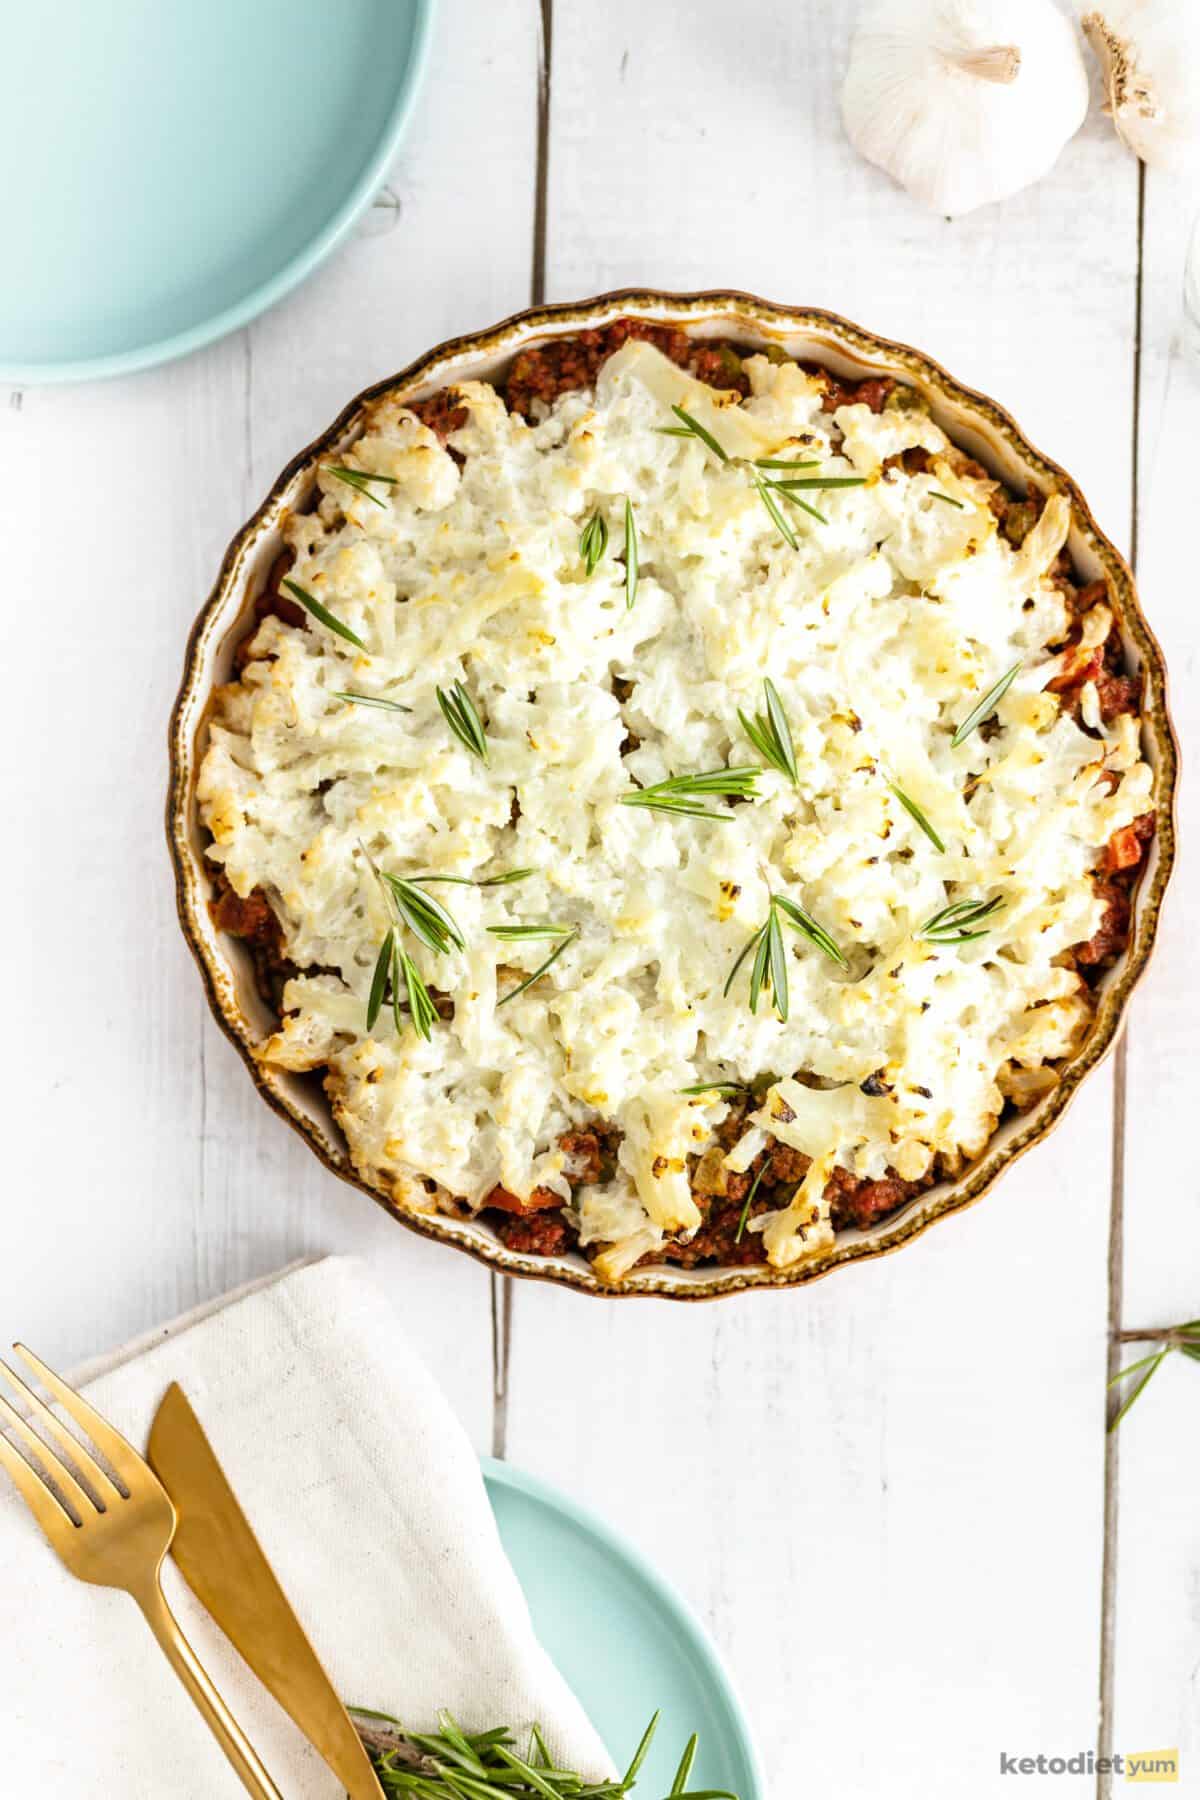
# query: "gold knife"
[220,1558]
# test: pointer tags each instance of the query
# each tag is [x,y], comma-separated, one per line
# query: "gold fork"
[113,1533]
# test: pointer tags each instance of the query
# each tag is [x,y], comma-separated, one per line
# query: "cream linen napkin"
[367,1498]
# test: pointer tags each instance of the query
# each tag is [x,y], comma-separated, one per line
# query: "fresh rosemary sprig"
[321,613]
[452,1764]
[987,705]
[766,487]
[518,934]
[771,734]
[462,716]
[372,700]
[553,957]
[408,907]
[593,542]
[631,557]
[914,812]
[958,922]
[1184,1338]
[745,1217]
[768,971]
[358,479]
[937,494]
[682,793]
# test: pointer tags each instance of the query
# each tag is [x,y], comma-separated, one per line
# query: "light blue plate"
[624,1641]
[175,166]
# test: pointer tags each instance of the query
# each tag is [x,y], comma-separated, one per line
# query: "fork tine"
[122,1455]
[35,1489]
[100,1478]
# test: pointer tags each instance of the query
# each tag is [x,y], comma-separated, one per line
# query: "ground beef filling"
[540,1224]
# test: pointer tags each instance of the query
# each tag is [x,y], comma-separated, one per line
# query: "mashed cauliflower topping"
[880,632]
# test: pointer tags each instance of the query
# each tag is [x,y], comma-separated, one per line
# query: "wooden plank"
[869,1489]
[148,1174]
[1156,1670]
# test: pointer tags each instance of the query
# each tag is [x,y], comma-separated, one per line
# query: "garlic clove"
[1149,53]
[963,101]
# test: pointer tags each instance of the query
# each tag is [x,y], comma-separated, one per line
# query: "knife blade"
[222,1562]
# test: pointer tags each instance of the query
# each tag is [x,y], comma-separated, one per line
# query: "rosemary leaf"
[744,1220]
[763,490]
[690,427]
[786,462]
[807,926]
[724,1088]
[804,506]
[819,481]
[959,922]
[379,980]
[424,916]
[937,494]
[679,1785]
[593,542]
[516,934]
[640,1754]
[321,613]
[1151,1365]
[631,557]
[461,715]
[986,706]
[771,734]
[358,480]
[914,812]
[487,881]
[540,971]
[682,793]
[372,700]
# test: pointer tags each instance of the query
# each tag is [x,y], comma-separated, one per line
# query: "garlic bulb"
[1149,52]
[963,101]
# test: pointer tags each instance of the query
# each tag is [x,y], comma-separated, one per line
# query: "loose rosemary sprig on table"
[768,486]
[358,480]
[1184,1338]
[768,971]
[683,793]
[462,716]
[452,1764]
[986,706]
[771,734]
[321,613]
[959,922]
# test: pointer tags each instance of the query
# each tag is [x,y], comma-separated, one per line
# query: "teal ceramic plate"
[624,1641]
[175,167]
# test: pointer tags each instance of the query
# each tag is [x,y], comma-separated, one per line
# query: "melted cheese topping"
[881,632]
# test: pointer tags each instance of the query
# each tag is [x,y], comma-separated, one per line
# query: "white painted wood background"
[888,1496]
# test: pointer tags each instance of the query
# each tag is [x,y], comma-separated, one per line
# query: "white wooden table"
[889,1495]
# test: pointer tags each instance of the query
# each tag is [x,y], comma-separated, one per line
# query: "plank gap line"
[537,283]
[1116,1231]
